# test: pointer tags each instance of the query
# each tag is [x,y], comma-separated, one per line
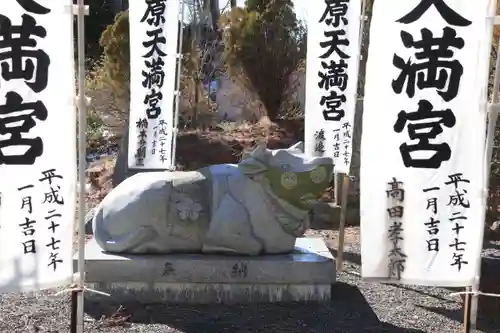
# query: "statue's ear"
[299,145]
[259,152]
[251,166]
[253,162]
[245,155]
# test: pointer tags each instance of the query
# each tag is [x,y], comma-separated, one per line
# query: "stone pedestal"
[304,275]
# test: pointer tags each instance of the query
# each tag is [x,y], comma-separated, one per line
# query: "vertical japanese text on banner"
[154,28]
[332,64]
[422,109]
[37,162]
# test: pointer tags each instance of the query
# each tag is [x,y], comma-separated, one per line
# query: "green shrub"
[116,60]
[264,46]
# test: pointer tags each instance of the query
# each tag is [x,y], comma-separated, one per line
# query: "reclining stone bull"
[257,206]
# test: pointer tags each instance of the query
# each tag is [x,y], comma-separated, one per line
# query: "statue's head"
[290,174]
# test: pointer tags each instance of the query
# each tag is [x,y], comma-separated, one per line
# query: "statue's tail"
[122,244]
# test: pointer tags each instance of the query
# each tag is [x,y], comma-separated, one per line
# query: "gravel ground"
[356,307]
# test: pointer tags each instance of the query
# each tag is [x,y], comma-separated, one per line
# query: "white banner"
[154,28]
[37,144]
[423,141]
[333,48]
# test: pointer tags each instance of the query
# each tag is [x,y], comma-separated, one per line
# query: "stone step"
[304,275]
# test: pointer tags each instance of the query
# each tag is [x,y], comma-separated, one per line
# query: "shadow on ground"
[484,323]
[355,258]
[347,312]
[488,310]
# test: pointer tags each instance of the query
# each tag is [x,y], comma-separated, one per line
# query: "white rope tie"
[474,293]
[76,287]
[79,289]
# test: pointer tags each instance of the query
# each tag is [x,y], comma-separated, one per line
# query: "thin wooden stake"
[77,296]
[467,311]
[343,216]
[336,191]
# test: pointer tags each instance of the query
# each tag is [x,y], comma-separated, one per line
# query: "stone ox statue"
[257,206]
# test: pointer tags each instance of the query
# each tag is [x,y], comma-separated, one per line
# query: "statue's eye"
[285,166]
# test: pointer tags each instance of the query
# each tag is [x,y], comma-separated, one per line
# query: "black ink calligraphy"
[347,139]
[22,59]
[19,57]
[168,269]
[28,225]
[335,12]
[395,213]
[435,68]
[432,224]
[333,75]
[448,14]
[424,124]
[33,7]
[163,134]
[459,204]
[19,149]
[140,154]
[319,142]
[52,203]
[239,270]
[155,11]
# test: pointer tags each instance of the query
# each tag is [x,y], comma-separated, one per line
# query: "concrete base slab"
[209,293]
[303,275]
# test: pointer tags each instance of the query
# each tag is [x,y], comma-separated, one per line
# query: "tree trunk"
[358,116]
[214,13]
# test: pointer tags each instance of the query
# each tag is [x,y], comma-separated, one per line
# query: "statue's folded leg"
[231,231]
[232,244]
[130,241]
